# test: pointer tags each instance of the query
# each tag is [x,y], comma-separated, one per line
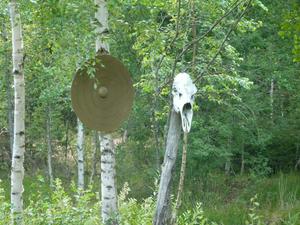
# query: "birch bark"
[271,99]
[109,209]
[17,169]
[49,146]
[242,158]
[10,115]
[108,182]
[102,29]
[94,157]
[10,110]
[80,154]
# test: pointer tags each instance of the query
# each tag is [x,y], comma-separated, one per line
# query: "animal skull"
[183,92]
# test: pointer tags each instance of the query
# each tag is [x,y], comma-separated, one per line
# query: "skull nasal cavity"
[187,106]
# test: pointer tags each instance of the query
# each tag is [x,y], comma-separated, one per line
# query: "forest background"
[243,149]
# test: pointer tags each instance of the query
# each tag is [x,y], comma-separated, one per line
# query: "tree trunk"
[102,29]
[181,179]
[194,33]
[243,159]
[109,209]
[298,161]
[67,140]
[229,147]
[80,154]
[10,112]
[67,167]
[227,166]
[17,170]
[272,99]
[49,138]
[108,182]
[163,206]
[94,157]
[9,99]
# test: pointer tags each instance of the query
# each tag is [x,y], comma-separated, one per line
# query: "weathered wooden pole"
[183,92]
[163,208]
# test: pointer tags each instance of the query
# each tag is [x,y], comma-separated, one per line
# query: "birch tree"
[95,157]
[108,171]
[271,99]
[80,154]
[17,169]
[49,144]
[8,89]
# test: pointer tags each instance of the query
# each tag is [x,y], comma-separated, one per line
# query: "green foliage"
[194,217]
[237,123]
[225,201]
[4,207]
[60,208]
[132,212]
[290,27]
[232,110]
[253,218]
[81,207]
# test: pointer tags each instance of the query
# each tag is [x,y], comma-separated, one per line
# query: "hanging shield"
[104,100]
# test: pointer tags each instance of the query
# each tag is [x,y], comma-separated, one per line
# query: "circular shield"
[102,101]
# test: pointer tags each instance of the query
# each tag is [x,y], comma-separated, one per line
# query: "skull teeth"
[185,120]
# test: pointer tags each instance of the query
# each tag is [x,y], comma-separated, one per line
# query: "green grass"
[225,199]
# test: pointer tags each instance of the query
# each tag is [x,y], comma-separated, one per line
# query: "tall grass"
[224,200]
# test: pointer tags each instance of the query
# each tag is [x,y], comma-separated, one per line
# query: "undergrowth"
[83,207]
[277,203]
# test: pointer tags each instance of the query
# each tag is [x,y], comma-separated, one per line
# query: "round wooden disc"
[103,102]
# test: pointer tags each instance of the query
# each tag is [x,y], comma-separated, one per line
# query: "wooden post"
[163,207]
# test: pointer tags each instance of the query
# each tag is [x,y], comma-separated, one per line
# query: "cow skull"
[183,92]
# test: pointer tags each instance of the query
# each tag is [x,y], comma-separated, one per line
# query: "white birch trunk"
[10,109]
[242,160]
[271,99]
[109,209]
[17,170]
[298,161]
[102,29]
[49,146]
[108,182]
[94,157]
[80,154]
[227,166]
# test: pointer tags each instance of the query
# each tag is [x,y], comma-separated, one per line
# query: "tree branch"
[233,26]
[189,45]
[172,42]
